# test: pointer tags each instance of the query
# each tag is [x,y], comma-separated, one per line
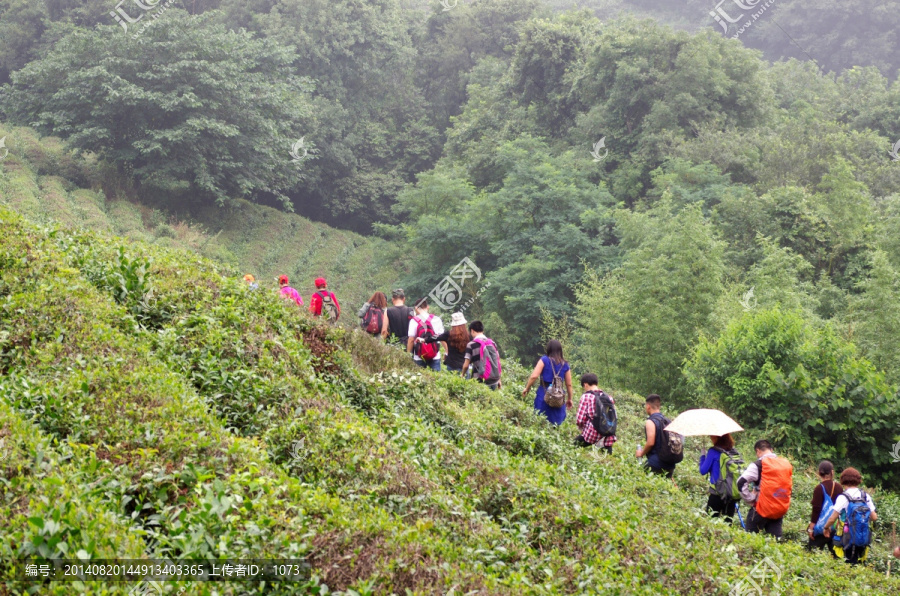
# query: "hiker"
[663,450]
[483,356]
[822,505]
[399,316]
[857,509]
[721,458]
[289,293]
[552,370]
[323,302]
[373,315]
[456,340]
[597,417]
[251,282]
[425,326]
[766,486]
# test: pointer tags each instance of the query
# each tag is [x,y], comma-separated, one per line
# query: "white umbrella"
[694,423]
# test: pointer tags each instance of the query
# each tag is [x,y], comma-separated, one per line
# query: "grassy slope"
[233,427]
[41,181]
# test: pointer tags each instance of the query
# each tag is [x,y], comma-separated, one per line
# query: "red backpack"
[426,351]
[373,319]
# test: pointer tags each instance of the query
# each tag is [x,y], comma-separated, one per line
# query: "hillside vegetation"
[44,182]
[144,414]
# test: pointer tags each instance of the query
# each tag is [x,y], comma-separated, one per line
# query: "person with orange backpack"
[766,487]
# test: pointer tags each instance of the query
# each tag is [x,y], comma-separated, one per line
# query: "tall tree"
[638,323]
[369,128]
[183,106]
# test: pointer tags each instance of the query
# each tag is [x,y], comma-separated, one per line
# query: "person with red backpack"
[373,315]
[323,302]
[483,356]
[423,329]
[766,486]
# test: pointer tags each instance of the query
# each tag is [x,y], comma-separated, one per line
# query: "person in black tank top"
[398,318]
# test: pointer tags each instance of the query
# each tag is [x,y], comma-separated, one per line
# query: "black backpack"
[669,446]
[605,419]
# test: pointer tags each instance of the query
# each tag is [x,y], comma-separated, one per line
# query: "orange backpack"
[775,484]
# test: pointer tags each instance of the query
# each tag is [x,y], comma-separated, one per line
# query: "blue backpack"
[858,532]
[827,508]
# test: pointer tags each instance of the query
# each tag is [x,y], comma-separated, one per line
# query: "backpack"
[827,508]
[775,485]
[488,360]
[605,418]
[670,449]
[373,320]
[329,308]
[730,468]
[858,533]
[555,394]
[427,351]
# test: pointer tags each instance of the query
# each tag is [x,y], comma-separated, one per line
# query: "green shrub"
[804,384]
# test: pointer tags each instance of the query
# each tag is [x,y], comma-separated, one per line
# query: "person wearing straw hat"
[455,340]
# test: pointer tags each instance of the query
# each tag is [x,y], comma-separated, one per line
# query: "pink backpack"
[488,361]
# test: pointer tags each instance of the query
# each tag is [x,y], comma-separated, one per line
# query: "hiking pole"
[737,508]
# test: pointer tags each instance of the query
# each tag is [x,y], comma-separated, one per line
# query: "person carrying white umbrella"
[722,462]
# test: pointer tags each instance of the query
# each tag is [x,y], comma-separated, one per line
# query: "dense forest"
[700,200]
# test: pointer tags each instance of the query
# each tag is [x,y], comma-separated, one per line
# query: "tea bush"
[241,428]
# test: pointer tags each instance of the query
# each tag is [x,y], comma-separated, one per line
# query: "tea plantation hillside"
[47,184]
[151,407]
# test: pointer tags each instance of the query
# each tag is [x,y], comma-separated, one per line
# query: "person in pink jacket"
[288,292]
